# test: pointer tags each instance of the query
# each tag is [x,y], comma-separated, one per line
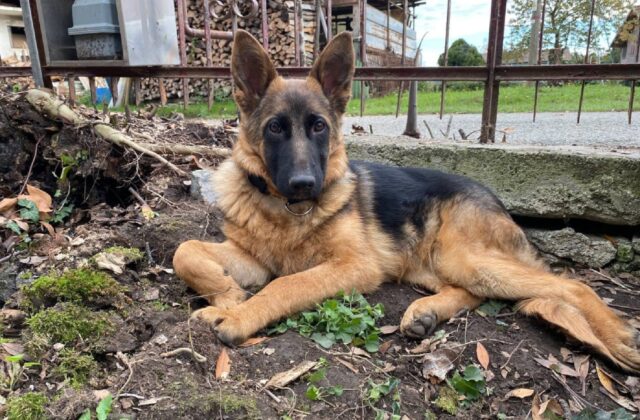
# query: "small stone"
[590,250]
[101,393]
[126,403]
[161,339]
[202,186]
[151,294]
[625,252]
[58,346]
[635,243]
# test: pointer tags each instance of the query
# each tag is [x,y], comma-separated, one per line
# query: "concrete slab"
[540,181]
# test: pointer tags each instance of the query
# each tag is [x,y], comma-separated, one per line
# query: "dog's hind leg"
[494,272]
[423,315]
[219,272]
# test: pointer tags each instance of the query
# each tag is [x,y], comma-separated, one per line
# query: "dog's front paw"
[417,323]
[225,324]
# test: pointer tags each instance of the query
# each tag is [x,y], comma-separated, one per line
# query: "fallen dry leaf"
[111,261]
[384,347]
[581,364]
[40,198]
[347,365]
[223,365]
[359,352]
[151,401]
[519,393]
[389,329]
[483,355]
[8,204]
[436,365]
[555,365]
[13,348]
[253,341]
[609,389]
[282,379]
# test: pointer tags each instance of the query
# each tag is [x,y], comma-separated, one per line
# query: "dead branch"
[46,103]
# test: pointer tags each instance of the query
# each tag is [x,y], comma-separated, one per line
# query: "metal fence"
[492,75]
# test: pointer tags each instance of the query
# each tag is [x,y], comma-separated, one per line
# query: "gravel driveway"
[560,129]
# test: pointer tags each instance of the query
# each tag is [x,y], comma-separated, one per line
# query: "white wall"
[5,36]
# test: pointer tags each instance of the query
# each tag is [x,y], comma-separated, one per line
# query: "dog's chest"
[282,251]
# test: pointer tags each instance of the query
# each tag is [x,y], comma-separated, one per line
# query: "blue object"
[103,94]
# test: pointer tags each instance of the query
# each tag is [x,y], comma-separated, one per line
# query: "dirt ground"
[140,368]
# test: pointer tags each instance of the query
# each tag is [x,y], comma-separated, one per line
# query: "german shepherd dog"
[303,223]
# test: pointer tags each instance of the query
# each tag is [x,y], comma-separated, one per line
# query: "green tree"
[462,53]
[566,23]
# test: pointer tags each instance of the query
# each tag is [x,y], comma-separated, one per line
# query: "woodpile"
[281,18]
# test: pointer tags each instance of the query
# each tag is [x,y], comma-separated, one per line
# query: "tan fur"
[465,252]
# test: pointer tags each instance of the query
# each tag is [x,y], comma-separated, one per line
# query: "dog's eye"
[275,127]
[319,126]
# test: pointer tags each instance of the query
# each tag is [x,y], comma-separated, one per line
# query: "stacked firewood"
[281,20]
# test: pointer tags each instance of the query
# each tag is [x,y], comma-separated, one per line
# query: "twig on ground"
[197,356]
[428,129]
[124,359]
[54,107]
[33,160]
[611,279]
[138,197]
[271,395]
[511,354]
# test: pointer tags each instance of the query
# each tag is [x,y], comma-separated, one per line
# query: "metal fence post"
[36,49]
[494,58]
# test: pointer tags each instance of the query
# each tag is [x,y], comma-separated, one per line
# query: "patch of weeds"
[316,392]
[430,415]
[591,414]
[160,306]
[471,384]
[75,367]
[491,308]
[348,319]
[237,405]
[102,410]
[447,400]
[15,368]
[376,391]
[29,406]
[67,323]
[84,286]
[130,254]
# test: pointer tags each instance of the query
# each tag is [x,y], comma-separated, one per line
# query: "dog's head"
[290,129]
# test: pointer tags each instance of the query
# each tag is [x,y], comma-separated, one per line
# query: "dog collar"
[261,185]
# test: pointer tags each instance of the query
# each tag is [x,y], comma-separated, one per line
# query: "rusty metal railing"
[493,74]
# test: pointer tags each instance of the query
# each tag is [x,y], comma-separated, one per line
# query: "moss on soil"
[447,400]
[88,287]
[75,367]
[130,254]
[29,406]
[68,322]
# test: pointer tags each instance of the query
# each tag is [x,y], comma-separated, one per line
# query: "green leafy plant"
[376,391]
[316,392]
[102,410]
[16,368]
[61,213]
[348,319]
[29,211]
[591,414]
[491,308]
[471,384]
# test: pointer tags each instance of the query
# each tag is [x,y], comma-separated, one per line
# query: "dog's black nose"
[302,183]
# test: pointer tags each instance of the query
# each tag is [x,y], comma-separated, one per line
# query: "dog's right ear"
[251,69]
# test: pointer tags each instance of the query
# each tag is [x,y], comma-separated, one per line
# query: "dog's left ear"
[334,70]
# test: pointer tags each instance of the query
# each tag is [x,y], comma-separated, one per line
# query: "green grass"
[513,98]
